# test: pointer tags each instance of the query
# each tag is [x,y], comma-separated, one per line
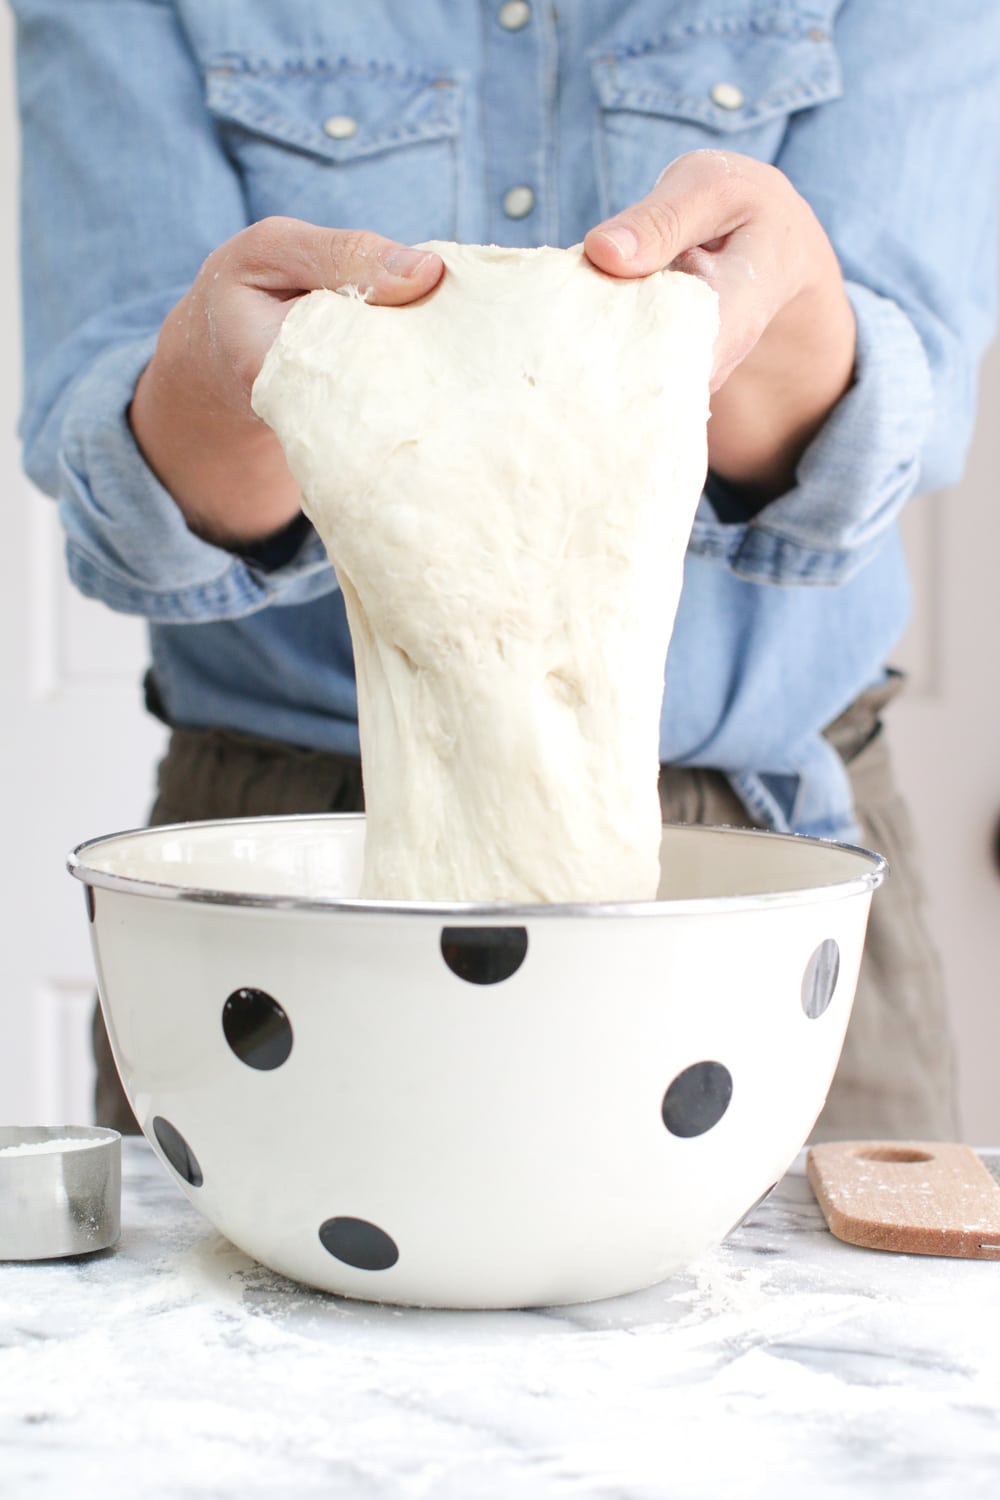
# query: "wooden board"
[924,1198]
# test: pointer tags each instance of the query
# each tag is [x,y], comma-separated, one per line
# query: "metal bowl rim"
[497,911]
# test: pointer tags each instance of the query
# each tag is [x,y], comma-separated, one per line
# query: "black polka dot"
[257,1029]
[484,955]
[91,900]
[177,1151]
[697,1099]
[358,1243]
[820,979]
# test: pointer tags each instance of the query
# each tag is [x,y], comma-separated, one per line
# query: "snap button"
[514,14]
[340,127]
[727,96]
[518,202]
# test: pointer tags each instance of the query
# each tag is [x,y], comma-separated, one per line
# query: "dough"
[505,476]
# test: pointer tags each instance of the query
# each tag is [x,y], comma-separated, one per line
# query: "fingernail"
[624,241]
[405,263]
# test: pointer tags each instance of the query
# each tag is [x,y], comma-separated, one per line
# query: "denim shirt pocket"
[728,79]
[349,145]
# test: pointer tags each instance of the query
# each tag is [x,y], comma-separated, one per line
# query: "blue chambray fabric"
[154,129]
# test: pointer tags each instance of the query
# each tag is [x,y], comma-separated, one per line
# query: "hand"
[191,412]
[784,355]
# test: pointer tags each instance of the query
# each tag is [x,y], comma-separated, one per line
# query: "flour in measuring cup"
[42,1148]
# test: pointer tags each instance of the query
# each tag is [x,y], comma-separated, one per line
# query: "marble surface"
[784,1364]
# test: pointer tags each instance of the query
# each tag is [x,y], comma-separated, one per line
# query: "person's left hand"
[784,354]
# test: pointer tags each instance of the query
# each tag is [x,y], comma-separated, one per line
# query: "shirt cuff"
[127,542]
[854,477]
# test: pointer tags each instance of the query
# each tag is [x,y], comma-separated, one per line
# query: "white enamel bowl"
[472,1106]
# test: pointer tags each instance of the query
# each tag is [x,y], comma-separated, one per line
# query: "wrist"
[223,468]
[774,403]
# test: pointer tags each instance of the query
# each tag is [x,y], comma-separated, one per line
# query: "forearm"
[225,471]
[851,480]
[775,402]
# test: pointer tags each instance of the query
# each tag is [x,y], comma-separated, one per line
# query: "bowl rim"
[499,912]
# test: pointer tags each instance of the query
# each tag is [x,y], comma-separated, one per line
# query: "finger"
[699,199]
[288,257]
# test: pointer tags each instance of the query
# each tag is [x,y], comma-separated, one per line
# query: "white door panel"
[946,734]
[78,759]
[78,750]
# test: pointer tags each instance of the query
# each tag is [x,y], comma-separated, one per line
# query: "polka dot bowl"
[472,1106]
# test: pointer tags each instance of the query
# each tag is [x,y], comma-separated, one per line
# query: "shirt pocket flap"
[726,79]
[339,111]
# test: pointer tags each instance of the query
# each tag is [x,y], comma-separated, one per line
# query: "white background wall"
[77,753]
[76,750]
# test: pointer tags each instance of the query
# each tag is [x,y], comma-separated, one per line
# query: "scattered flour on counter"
[719,1288]
[745,1374]
[371,1401]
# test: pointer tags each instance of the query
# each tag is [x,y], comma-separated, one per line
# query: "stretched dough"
[505,476]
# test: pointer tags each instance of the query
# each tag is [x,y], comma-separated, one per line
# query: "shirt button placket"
[516,123]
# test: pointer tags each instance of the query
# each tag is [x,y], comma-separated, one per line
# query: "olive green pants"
[896,1078]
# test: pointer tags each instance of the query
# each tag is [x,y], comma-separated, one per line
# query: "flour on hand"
[504,475]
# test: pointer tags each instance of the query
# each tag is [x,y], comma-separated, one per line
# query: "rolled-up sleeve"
[902,171]
[128,544]
[125,190]
[854,477]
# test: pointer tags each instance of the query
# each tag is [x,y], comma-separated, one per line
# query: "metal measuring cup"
[60,1190]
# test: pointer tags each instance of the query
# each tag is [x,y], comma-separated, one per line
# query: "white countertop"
[786,1364]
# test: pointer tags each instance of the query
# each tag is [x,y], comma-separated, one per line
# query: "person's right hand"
[784,355]
[191,413]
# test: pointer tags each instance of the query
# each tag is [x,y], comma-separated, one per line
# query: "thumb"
[289,256]
[698,199]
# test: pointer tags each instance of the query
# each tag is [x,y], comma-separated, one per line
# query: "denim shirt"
[155,129]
